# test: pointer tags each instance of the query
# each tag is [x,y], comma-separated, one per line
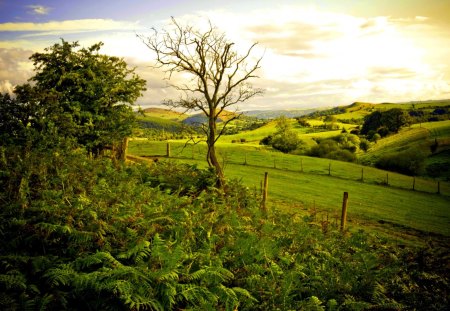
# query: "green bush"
[267,141]
[286,142]
[323,148]
[410,161]
[331,149]
[364,145]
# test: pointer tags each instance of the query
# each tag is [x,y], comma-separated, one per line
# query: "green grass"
[165,114]
[440,129]
[306,134]
[260,156]
[161,122]
[417,105]
[359,110]
[419,136]
[420,211]
[371,200]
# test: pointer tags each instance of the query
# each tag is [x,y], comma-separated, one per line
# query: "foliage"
[364,144]
[385,122]
[79,94]
[81,233]
[340,148]
[410,161]
[284,139]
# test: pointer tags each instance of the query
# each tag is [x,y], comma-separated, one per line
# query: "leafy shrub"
[383,131]
[286,142]
[267,141]
[342,155]
[323,148]
[331,149]
[410,161]
[364,145]
[182,179]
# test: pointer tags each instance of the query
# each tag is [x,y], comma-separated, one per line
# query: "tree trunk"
[211,155]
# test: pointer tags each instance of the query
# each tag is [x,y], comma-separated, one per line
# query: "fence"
[260,157]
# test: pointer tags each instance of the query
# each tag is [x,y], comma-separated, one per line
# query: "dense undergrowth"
[91,234]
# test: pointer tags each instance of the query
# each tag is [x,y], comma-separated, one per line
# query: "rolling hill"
[359,110]
[166,114]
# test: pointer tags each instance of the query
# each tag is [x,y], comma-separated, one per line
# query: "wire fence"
[255,156]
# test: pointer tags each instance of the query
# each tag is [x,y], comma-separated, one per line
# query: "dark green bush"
[323,148]
[331,149]
[342,155]
[267,141]
[410,161]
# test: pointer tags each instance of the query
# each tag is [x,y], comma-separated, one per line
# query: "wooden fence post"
[168,150]
[265,190]
[362,174]
[245,160]
[329,169]
[344,212]
[414,183]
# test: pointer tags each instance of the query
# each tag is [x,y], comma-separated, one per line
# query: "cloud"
[6,87]
[15,67]
[295,38]
[380,73]
[38,9]
[69,26]
[311,57]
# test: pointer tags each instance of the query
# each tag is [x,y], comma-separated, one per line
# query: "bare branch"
[219,75]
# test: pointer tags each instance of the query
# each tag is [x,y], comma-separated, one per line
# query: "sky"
[315,53]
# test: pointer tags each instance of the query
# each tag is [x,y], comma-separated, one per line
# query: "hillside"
[164,113]
[288,113]
[419,137]
[200,118]
[359,110]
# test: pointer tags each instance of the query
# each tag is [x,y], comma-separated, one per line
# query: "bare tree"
[218,75]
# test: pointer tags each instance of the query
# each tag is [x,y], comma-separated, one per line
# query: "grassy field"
[303,183]
[165,114]
[379,200]
[419,136]
[260,156]
[307,134]
[359,110]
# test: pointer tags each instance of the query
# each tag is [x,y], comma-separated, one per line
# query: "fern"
[137,253]
[195,295]
[61,276]
[13,281]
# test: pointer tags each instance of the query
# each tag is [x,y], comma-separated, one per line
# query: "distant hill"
[272,114]
[200,118]
[358,110]
[164,113]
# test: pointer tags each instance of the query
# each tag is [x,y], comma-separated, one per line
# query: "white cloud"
[70,26]
[311,57]
[38,9]
[15,68]
[6,87]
